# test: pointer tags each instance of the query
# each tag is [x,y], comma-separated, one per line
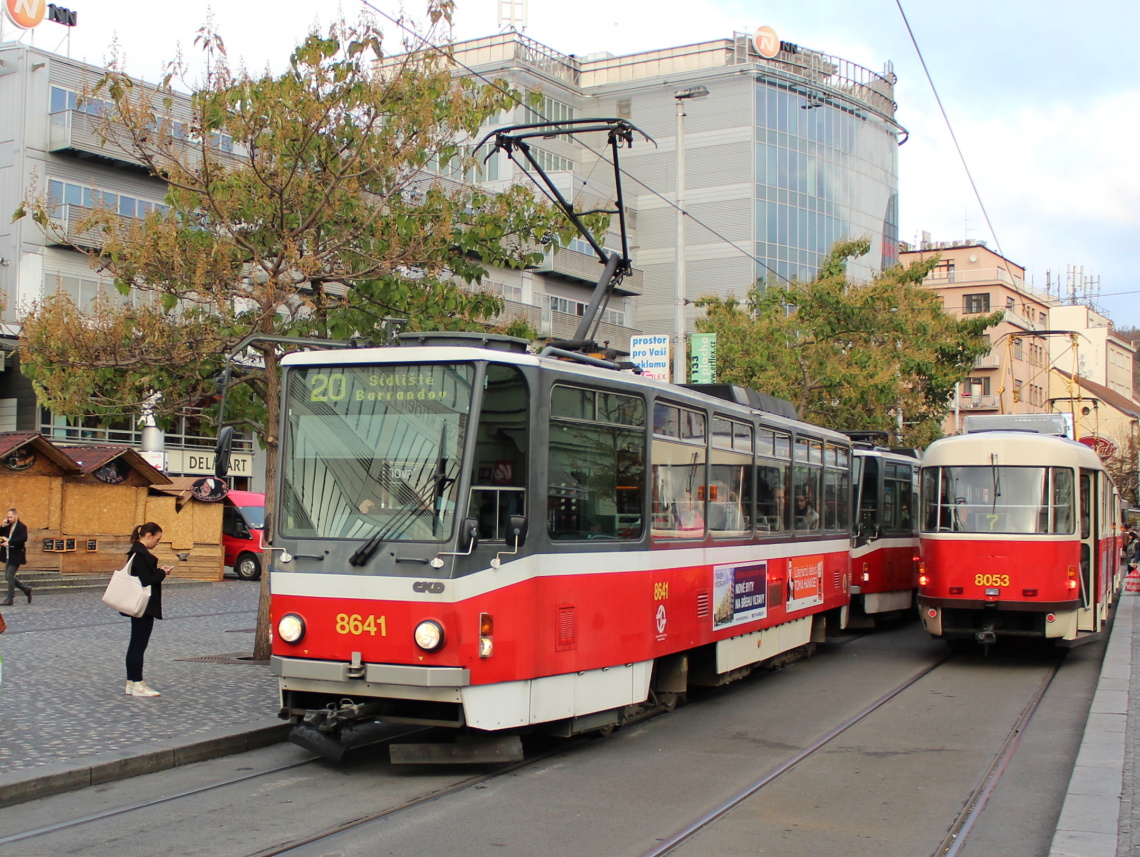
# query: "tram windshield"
[373,450]
[995,499]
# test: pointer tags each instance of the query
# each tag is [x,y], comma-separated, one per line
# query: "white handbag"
[126,593]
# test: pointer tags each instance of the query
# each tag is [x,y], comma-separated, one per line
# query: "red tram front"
[470,535]
[1017,538]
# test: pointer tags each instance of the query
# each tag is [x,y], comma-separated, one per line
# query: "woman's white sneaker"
[141,688]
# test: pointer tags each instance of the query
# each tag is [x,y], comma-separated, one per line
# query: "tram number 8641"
[356,625]
[991,580]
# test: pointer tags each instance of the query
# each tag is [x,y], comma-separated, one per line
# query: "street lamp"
[680,372]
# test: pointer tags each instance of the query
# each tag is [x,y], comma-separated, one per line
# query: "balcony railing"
[978,403]
[75,131]
[585,268]
[563,325]
[64,227]
[84,134]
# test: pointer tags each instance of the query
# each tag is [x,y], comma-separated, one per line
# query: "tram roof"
[1015,448]
[467,354]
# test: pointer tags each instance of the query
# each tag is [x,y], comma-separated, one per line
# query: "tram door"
[1090,526]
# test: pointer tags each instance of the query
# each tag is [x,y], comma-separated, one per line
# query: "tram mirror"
[222,452]
[469,535]
[518,527]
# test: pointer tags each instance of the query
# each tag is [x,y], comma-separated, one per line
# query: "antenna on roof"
[512,15]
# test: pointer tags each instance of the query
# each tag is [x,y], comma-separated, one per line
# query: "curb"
[58,779]
[1089,822]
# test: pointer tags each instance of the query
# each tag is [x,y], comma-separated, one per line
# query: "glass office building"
[785,156]
[824,172]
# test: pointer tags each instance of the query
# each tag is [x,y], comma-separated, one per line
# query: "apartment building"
[1013,378]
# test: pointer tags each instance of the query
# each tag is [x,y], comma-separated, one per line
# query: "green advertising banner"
[702,366]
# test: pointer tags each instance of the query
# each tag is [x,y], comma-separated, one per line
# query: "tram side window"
[498,483]
[1062,521]
[730,487]
[897,513]
[1086,504]
[806,478]
[869,495]
[836,488]
[679,456]
[596,465]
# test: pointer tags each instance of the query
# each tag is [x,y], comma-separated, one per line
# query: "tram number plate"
[991,580]
[356,625]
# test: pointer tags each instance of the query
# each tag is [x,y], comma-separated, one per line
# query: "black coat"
[145,568]
[17,534]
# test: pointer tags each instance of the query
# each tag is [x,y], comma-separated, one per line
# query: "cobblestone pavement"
[62,698]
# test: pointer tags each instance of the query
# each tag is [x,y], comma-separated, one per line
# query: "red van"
[243,532]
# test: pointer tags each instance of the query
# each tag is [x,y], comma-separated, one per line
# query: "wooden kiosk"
[81,503]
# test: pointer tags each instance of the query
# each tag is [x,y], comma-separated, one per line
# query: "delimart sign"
[652,354]
[27,14]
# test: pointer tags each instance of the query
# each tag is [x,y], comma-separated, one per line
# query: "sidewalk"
[65,721]
[1098,818]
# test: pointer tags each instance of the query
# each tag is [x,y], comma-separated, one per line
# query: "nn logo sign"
[27,14]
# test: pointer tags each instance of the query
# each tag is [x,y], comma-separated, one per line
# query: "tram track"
[139,806]
[956,836]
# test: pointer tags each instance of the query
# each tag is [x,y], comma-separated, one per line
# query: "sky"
[1044,102]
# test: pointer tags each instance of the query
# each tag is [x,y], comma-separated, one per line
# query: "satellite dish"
[973,257]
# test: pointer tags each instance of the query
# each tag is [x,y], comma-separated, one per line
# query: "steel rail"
[956,836]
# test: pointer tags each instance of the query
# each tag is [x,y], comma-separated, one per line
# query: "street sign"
[702,368]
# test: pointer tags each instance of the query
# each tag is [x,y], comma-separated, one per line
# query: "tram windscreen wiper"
[441,480]
[365,551]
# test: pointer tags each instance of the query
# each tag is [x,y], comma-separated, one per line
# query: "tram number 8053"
[991,580]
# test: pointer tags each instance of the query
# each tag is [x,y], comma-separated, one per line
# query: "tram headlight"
[429,635]
[291,628]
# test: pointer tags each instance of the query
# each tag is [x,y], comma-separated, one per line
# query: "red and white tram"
[1018,538]
[470,535]
[884,552]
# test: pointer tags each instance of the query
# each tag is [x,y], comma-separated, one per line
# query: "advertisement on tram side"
[740,593]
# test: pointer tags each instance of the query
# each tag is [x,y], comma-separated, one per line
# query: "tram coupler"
[334,718]
[986,636]
[350,737]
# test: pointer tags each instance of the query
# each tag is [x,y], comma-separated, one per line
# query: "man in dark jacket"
[13,537]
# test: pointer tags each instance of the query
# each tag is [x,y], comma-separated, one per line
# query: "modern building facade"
[50,144]
[782,157]
[786,155]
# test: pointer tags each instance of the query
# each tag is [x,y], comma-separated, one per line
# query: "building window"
[978,386]
[83,291]
[976,303]
[1018,351]
[551,162]
[549,110]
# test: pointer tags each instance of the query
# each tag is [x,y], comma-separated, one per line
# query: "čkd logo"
[432,586]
